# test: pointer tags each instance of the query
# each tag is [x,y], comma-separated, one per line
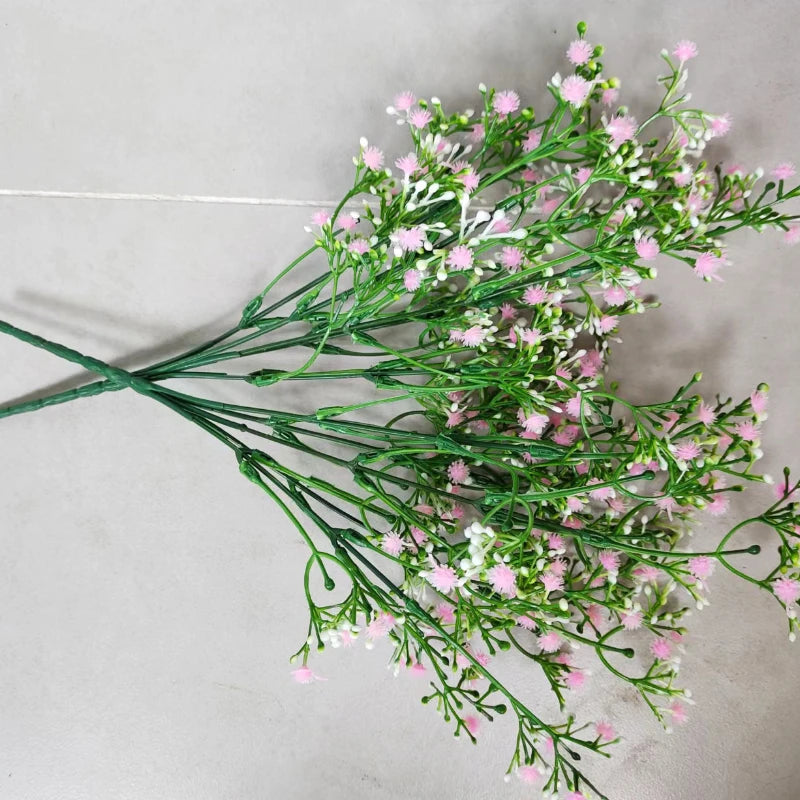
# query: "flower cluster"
[512,501]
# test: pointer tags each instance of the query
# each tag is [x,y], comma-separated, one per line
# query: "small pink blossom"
[567,437]
[549,642]
[372,158]
[507,311]
[529,774]
[445,612]
[631,620]
[358,246]
[661,649]
[534,295]
[607,323]
[784,171]
[555,541]
[610,96]
[458,472]
[706,266]
[717,505]
[701,567]
[603,493]
[582,175]
[420,117]
[392,544]
[503,579]
[759,401]
[748,431]
[511,257]
[404,101]
[410,239]
[605,731]
[575,796]
[721,125]
[705,414]
[575,90]
[551,582]
[678,713]
[443,578]
[615,295]
[505,103]
[621,129]
[412,280]
[407,164]
[320,217]
[305,675]
[575,680]
[532,140]
[687,449]
[478,133]
[526,621]
[454,418]
[472,724]
[531,336]
[579,52]
[647,248]
[474,336]
[610,560]
[460,257]
[346,222]
[533,423]
[787,590]
[646,573]
[684,50]
[792,235]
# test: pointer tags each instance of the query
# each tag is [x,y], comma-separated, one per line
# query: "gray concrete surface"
[149,597]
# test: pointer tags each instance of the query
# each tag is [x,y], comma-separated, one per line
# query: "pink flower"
[647,573]
[472,724]
[392,544]
[792,235]
[532,141]
[661,649]
[610,560]
[454,418]
[579,52]
[412,280]
[527,622]
[534,295]
[701,567]
[705,414]
[474,336]
[610,96]
[605,731]
[607,323]
[372,158]
[531,336]
[575,680]
[575,90]
[758,401]
[603,493]
[458,472]
[718,505]
[420,117]
[445,612]
[631,620]
[320,217]
[549,642]
[507,311]
[621,129]
[551,582]
[784,171]
[380,626]
[748,431]
[404,101]
[566,437]
[478,133]
[685,50]
[505,103]
[706,266]
[529,774]
[503,579]
[721,125]
[470,179]
[687,449]
[358,246]
[533,423]
[460,257]
[615,295]
[346,222]
[410,239]
[555,541]
[407,164]
[595,614]
[678,713]
[305,675]
[575,796]
[442,578]
[787,590]
[511,257]
[647,248]
[583,175]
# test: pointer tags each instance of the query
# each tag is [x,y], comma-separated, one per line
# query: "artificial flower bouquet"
[487,490]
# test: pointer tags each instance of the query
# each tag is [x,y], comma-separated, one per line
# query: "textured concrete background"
[149,596]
